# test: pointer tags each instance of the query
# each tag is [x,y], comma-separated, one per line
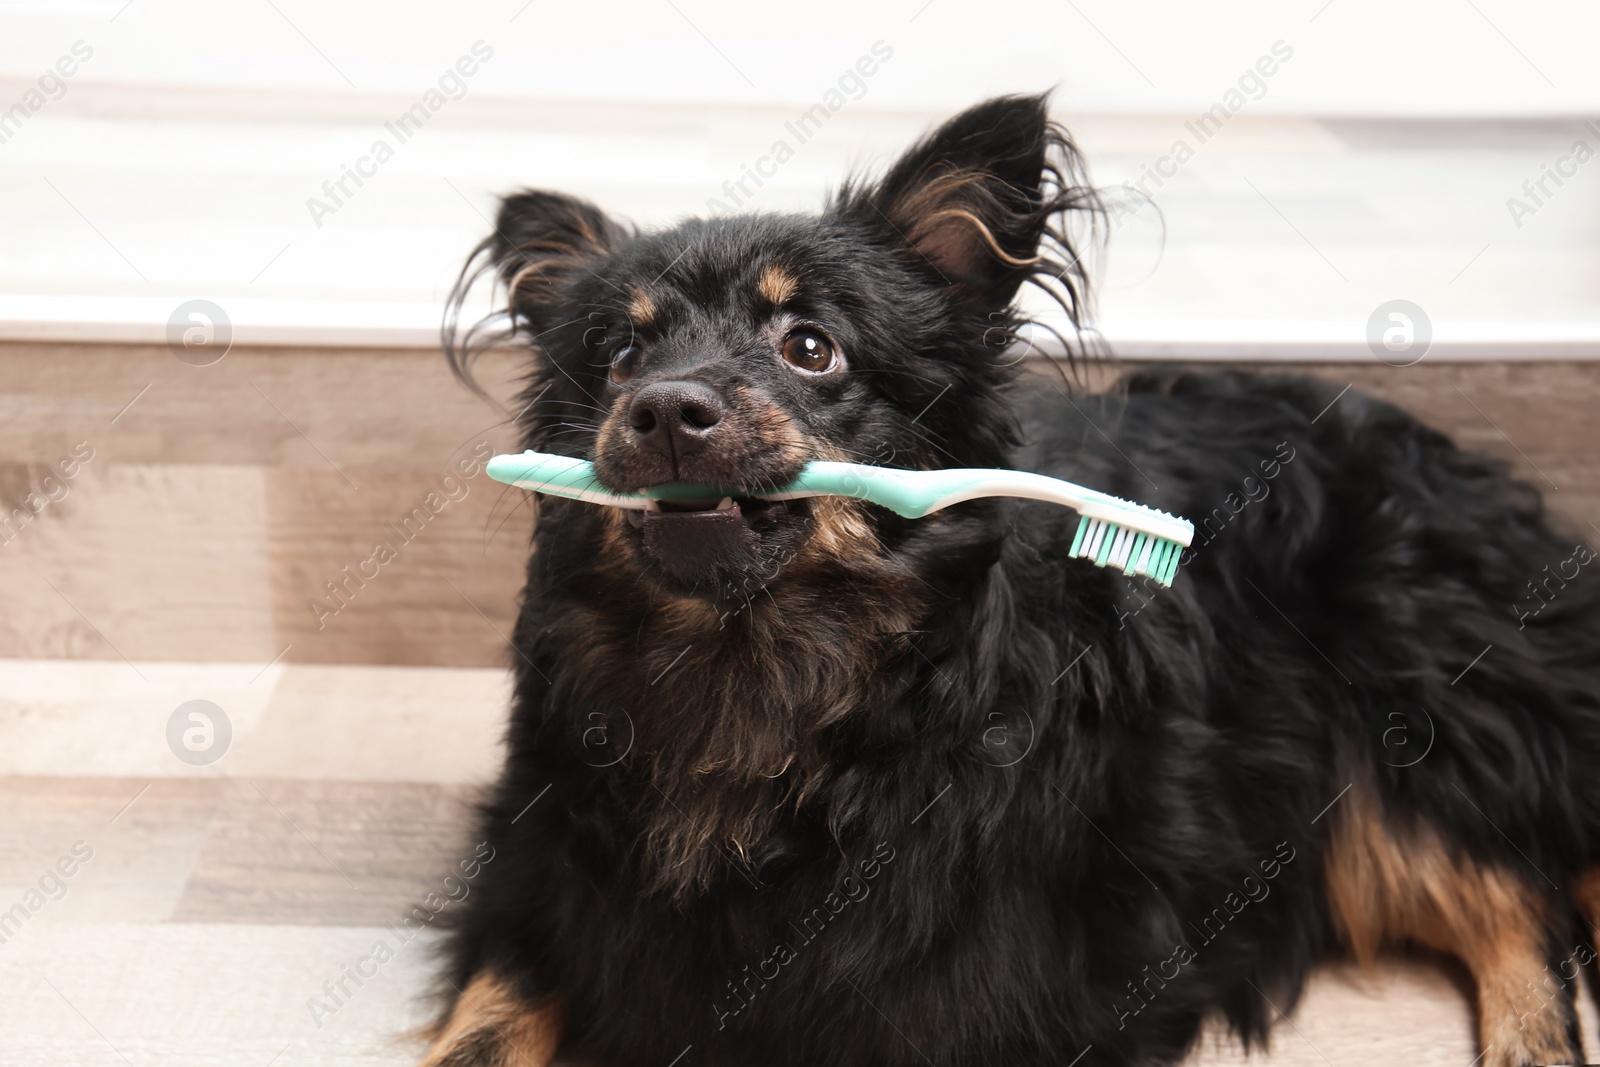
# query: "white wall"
[1376,57]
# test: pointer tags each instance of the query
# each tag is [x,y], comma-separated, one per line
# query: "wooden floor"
[219,899]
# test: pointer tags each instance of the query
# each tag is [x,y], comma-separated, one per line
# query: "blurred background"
[228,233]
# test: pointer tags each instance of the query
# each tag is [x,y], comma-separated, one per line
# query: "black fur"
[1053,774]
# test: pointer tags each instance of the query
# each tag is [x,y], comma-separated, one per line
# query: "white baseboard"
[378,324]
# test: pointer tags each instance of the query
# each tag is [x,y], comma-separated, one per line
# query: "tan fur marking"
[527,1036]
[940,191]
[1586,894]
[841,531]
[530,271]
[641,309]
[930,225]
[1385,890]
[777,285]
[942,200]
[613,530]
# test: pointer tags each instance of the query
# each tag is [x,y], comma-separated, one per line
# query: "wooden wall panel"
[375,576]
[1539,417]
[217,505]
[140,560]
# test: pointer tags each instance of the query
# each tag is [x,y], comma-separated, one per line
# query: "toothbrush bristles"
[1133,552]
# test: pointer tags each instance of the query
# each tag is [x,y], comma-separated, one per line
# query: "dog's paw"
[491,1026]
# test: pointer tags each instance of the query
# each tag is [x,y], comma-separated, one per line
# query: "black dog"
[807,783]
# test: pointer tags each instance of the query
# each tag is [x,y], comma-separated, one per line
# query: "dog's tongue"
[691,544]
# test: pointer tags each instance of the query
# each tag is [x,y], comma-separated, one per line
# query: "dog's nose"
[675,418]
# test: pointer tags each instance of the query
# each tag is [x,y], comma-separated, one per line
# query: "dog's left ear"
[974,199]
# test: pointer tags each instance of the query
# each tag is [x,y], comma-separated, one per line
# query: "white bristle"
[1143,566]
[1091,549]
[1088,537]
[1129,537]
[1127,549]
[1118,540]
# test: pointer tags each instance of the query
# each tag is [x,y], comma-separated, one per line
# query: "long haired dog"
[807,783]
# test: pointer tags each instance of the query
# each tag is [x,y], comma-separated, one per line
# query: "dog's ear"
[540,242]
[540,239]
[975,199]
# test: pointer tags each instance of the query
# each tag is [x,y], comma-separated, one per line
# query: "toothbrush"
[1111,532]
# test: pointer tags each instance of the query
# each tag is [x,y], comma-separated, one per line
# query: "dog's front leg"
[492,1026]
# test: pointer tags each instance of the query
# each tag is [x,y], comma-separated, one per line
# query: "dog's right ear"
[541,242]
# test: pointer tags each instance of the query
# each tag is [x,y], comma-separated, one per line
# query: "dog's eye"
[810,351]
[625,363]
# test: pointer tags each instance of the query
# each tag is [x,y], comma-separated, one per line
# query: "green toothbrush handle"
[561,476]
[910,493]
[574,479]
[915,494]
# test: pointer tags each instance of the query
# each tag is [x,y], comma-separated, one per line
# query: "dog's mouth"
[727,509]
[706,543]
